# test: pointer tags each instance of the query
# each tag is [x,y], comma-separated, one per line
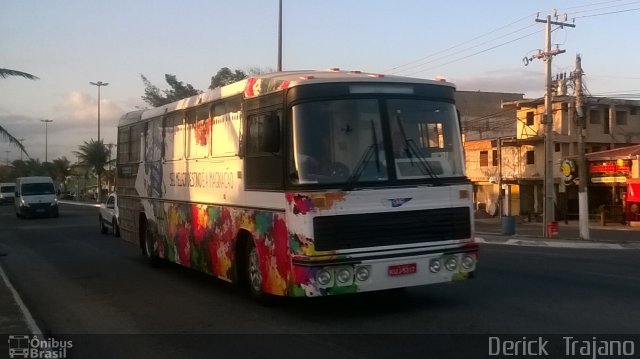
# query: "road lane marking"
[31,323]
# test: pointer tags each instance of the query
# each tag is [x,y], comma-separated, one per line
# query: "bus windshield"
[351,141]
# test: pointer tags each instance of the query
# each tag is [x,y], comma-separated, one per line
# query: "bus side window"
[263,160]
[264,133]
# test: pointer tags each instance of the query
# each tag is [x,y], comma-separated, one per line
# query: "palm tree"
[95,155]
[4,73]
[61,170]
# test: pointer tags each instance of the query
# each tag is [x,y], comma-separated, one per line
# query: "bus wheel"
[147,246]
[254,276]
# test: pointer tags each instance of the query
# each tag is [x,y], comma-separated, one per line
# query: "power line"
[605,7]
[608,13]
[420,62]
[477,53]
[465,49]
[460,44]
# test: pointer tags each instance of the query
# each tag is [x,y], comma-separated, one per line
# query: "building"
[515,161]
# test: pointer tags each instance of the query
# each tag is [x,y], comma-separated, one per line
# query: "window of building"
[494,158]
[557,147]
[530,118]
[606,128]
[531,158]
[634,111]
[621,117]
[594,117]
[484,158]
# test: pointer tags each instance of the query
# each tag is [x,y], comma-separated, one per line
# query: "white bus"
[302,183]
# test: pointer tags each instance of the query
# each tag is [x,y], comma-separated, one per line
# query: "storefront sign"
[610,171]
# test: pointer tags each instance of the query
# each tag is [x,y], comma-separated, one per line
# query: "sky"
[478,45]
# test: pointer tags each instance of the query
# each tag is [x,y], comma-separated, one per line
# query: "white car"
[109,216]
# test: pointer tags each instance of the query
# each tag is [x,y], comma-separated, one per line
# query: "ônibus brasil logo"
[25,346]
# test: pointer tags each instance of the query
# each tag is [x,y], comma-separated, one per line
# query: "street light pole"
[99,84]
[46,138]
[7,152]
[280,36]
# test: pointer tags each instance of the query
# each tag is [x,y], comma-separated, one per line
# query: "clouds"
[509,80]
[74,121]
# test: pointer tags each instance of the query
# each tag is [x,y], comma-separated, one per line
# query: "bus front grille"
[383,229]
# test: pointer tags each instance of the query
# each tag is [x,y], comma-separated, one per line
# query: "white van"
[35,196]
[7,191]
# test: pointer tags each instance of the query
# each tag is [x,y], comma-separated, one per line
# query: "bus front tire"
[253,275]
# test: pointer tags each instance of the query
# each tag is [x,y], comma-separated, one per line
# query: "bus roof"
[267,83]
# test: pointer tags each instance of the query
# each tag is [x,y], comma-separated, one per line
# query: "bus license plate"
[402,269]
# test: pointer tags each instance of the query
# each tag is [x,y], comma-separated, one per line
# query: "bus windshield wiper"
[411,150]
[372,151]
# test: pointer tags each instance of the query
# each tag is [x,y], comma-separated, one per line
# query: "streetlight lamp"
[99,84]
[46,138]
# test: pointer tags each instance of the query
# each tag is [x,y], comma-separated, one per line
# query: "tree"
[156,97]
[225,77]
[4,73]
[61,170]
[94,155]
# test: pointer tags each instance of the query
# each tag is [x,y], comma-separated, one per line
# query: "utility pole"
[549,189]
[583,202]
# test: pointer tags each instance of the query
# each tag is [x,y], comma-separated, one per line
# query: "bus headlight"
[344,275]
[451,264]
[362,273]
[323,277]
[467,262]
[435,265]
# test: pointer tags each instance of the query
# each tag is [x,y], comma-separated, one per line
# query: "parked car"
[7,191]
[109,216]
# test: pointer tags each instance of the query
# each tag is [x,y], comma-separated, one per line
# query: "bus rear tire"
[147,246]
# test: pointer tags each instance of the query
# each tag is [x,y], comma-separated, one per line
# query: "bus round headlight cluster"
[324,277]
[344,275]
[467,262]
[362,273]
[451,264]
[435,265]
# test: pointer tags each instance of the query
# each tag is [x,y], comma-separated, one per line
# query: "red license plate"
[402,269]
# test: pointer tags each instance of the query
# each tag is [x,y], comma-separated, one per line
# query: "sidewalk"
[611,235]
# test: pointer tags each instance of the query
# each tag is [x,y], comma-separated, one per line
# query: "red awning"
[629,152]
[633,190]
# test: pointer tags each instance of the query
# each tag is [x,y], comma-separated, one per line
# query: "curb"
[559,243]
[96,205]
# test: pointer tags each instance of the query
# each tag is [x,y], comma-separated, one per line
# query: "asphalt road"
[79,283]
